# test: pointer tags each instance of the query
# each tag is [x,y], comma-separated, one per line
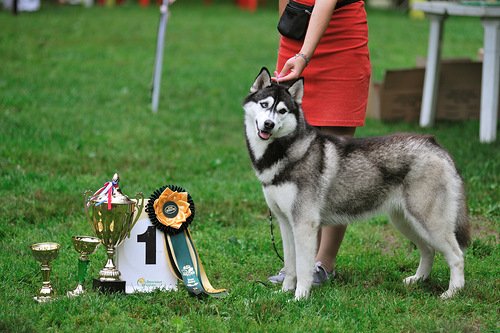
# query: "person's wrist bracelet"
[303,56]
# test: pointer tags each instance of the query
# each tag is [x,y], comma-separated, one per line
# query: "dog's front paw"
[452,291]
[413,279]
[289,284]
[447,294]
[302,293]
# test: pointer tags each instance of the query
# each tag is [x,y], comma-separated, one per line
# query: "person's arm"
[320,17]
[281,6]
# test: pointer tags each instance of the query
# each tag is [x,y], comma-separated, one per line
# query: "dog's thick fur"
[310,179]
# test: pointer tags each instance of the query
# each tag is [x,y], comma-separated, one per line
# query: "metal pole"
[159,55]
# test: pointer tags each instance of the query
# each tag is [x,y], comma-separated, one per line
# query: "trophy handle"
[139,208]
[86,196]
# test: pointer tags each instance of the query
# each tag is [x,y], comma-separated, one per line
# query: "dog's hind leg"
[399,220]
[434,201]
[442,238]
[444,241]
[306,239]
[455,259]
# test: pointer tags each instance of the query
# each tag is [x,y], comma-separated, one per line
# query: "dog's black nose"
[268,125]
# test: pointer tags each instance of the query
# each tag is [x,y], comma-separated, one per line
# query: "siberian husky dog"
[310,179]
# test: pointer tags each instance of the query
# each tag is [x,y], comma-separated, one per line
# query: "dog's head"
[272,109]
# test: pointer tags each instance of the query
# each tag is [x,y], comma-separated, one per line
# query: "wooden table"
[437,12]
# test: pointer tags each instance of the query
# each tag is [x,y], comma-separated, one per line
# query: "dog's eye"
[282,111]
[264,105]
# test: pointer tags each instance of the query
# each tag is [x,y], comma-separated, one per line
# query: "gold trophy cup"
[85,245]
[111,214]
[45,253]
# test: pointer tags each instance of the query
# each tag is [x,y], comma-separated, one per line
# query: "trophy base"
[77,292]
[43,299]
[109,287]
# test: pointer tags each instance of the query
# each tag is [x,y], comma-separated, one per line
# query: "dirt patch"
[482,227]
[392,240]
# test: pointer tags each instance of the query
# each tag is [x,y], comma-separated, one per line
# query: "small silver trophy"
[85,245]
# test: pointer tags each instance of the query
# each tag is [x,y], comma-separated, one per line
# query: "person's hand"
[292,69]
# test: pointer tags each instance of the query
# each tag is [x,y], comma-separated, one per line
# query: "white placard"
[142,259]
[23,5]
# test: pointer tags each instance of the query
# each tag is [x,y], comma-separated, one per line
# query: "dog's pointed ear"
[297,90]
[263,80]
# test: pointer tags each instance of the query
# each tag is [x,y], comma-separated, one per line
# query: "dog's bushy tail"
[462,226]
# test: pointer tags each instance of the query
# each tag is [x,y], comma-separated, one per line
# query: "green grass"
[74,108]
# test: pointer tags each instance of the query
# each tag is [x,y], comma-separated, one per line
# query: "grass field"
[74,108]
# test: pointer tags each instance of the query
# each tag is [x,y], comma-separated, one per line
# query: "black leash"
[272,236]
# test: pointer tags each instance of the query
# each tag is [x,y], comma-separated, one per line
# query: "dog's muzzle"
[265,133]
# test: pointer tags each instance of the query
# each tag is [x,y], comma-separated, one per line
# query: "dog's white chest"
[281,198]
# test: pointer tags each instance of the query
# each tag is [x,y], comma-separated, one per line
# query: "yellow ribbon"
[181,201]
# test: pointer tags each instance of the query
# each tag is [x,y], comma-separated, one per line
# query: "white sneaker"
[278,278]
[320,275]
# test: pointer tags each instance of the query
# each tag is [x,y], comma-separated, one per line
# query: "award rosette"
[171,210]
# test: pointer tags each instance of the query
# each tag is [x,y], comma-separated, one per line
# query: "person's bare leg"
[331,236]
